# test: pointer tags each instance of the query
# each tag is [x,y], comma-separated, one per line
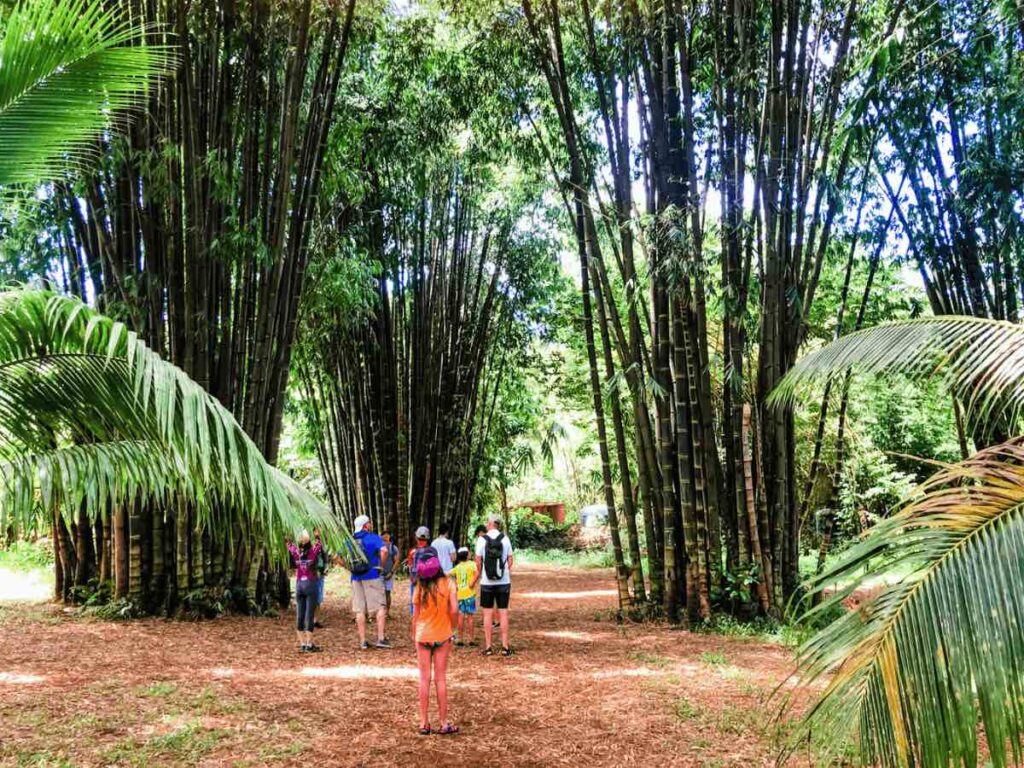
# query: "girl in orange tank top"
[435,610]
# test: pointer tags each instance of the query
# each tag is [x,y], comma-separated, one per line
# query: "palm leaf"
[917,669]
[89,415]
[981,361]
[67,67]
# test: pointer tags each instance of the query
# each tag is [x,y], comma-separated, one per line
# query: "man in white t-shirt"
[494,566]
[445,547]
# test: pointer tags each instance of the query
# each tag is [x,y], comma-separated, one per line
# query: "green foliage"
[67,65]
[25,556]
[951,350]
[92,417]
[923,662]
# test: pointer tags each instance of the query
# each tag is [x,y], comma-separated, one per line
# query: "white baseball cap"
[360,522]
[423,532]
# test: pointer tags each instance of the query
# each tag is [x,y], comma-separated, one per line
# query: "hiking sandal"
[448,729]
[507,652]
[488,651]
[425,731]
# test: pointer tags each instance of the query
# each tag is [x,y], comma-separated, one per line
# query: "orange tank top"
[434,624]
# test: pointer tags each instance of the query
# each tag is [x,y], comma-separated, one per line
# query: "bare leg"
[387,603]
[382,617]
[471,621]
[423,660]
[503,619]
[441,680]
[361,626]
[488,629]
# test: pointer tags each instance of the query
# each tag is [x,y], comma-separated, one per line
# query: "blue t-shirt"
[372,545]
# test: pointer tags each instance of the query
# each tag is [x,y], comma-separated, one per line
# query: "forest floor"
[581,691]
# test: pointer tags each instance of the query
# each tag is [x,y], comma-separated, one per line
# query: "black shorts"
[495,594]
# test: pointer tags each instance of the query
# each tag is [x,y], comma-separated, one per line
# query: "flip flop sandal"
[425,731]
[488,651]
[448,729]
[507,652]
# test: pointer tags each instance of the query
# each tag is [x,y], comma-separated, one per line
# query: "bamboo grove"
[781,113]
[195,230]
[357,218]
[404,367]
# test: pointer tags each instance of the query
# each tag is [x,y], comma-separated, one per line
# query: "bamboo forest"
[679,340]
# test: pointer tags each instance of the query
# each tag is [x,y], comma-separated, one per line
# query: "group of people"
[443,582]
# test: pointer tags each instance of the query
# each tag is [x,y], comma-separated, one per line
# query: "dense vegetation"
[434,259]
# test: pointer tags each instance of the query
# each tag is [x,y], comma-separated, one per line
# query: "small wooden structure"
[553,509]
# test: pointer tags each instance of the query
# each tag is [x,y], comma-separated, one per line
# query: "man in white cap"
[367,582]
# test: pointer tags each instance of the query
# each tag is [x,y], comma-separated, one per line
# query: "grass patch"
[591,558]
[739,721]
[650,659]
[187,745]
[284,752]
[43,760]
[715,658]
[157,690]
[685,710]
[210,702]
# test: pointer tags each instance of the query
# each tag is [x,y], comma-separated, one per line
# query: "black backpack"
[494,561]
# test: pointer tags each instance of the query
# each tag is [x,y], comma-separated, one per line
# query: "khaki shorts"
[367,596]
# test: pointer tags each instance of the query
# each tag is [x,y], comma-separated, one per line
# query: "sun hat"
[423,532]
[428,568]
[360,522]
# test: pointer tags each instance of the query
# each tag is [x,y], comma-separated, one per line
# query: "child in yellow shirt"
[465,581]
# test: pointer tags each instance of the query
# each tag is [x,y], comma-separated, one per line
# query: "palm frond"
[981,361]
[915,670]
[67,67]
[79,390]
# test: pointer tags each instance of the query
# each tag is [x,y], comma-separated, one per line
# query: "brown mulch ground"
[582,691]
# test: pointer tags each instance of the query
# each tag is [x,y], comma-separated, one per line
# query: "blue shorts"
[320,589]
[468,605]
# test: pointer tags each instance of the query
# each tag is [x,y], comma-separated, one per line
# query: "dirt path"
[581,691]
